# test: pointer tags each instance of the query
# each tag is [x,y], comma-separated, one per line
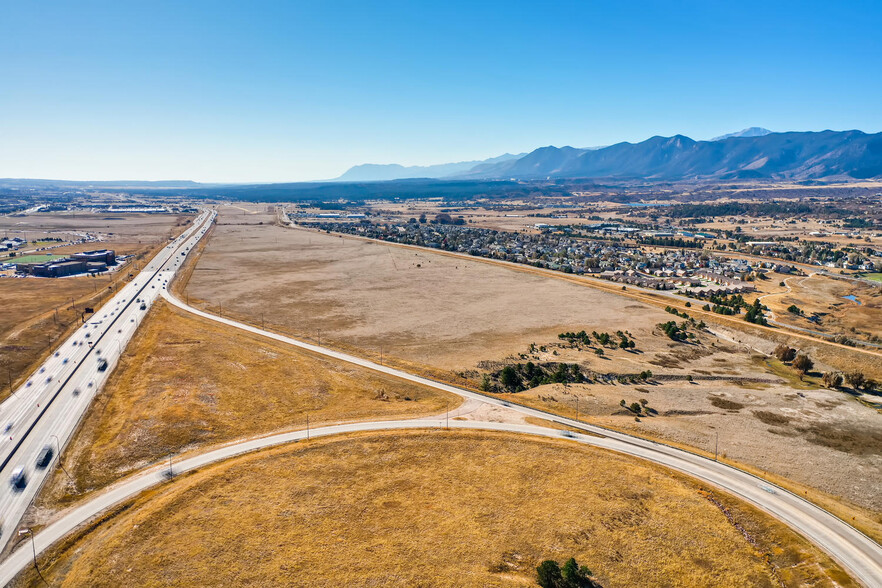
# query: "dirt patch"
[772,418]
[725,403]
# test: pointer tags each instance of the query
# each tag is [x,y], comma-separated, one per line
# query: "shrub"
[785,353]
[802,363]
[856,380]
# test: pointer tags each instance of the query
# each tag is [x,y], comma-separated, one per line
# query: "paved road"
[47,408]
[859,554]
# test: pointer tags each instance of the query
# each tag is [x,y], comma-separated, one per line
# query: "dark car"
[44,457]
[19,479]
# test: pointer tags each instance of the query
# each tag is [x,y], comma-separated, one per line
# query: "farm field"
[185,382]
[456,319]
[435,508]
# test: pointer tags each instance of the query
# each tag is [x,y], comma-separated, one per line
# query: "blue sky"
[279,91]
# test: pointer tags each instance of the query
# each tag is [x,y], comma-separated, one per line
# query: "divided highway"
[39,418]
[857,553]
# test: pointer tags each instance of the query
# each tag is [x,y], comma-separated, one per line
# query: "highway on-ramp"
[38,419]
[856,552]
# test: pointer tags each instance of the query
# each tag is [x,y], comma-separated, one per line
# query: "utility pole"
[716,445]
[171,472]
[577,408]
[9,375]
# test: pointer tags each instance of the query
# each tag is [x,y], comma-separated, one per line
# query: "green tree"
[548,574]
[509,378]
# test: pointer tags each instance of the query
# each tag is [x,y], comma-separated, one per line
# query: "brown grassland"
[435,508]
[42,311]
[454,318]
[824,296]
[185,382]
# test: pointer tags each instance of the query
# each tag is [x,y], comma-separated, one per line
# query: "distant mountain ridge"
[753,153]
[748,132]
[377,172]
[786,156]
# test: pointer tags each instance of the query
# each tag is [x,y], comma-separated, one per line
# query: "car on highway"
[8,427]
[44,457]
[19,479]
[102,365]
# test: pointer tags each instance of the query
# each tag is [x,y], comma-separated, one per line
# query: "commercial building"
[78,263]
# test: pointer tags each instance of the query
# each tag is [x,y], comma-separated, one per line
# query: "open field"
[435,508]
[45,309]
[426,309]
[825,297]
[185,382]
[456,319]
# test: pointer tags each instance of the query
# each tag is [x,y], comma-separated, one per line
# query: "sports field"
[33,258]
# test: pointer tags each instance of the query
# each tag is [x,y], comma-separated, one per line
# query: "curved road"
[857,553]
[861,558]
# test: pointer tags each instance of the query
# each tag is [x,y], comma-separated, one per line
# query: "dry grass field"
[433,509]
[456,318]
[42,310]
[185,382]
[825,297]
[429,310]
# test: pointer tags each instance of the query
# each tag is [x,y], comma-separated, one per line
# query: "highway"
[859,555]
[46,409]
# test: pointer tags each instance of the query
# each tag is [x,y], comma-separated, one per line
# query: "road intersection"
[45,411]
[857,553]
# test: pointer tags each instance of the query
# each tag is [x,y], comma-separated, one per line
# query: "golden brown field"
[456,319]
[825,296]
[185,382]
[436,508]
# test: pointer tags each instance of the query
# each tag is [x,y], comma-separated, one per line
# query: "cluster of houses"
[13,244]
[670,269]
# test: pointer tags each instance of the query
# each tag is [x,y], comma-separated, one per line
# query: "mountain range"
[753,153]
[378,172]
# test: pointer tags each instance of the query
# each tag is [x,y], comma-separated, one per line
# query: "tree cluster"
[571,575]
[673,330]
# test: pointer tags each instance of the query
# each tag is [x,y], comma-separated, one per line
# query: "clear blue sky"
[287,90]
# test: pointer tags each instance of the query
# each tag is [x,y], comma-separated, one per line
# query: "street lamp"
[61,463]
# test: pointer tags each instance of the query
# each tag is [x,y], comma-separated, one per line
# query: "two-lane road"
[856,552]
